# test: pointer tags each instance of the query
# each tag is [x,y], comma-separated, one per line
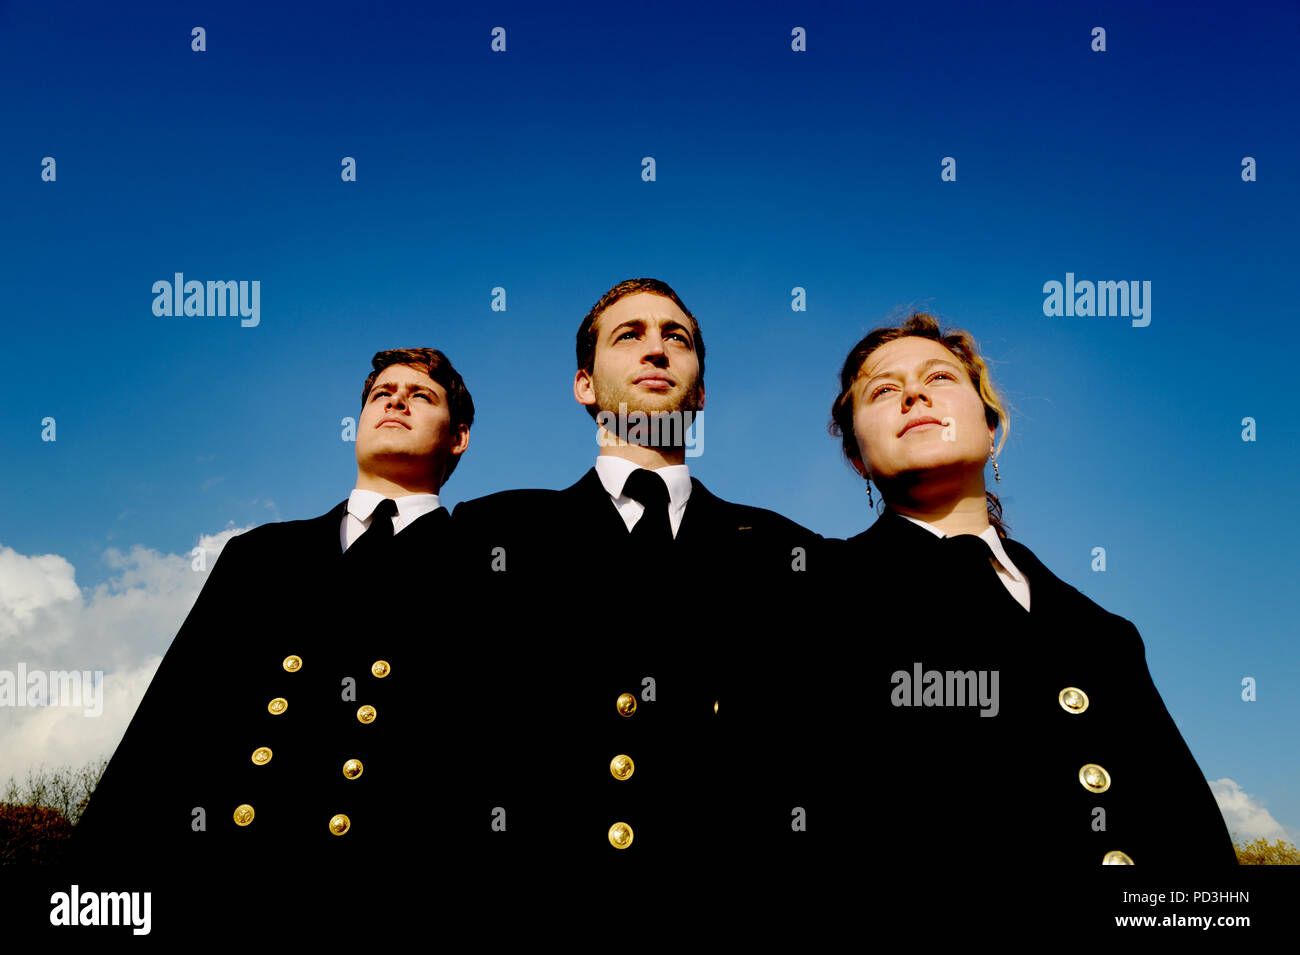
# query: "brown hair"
[586,349]
[437,366]
[962,345]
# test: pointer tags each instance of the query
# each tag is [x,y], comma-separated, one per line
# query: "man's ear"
[701,396]
[461,443]
[458,447]
[583,390]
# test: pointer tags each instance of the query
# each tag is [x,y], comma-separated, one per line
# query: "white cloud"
[1247,820]
[123,626]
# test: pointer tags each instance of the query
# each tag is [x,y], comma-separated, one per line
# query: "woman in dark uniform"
[1015,719]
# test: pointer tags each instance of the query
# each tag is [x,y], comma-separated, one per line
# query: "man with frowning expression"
[284,720]
[654,731]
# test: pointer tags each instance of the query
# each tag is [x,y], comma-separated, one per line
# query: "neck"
[638,454]
[395,485]
[955,505]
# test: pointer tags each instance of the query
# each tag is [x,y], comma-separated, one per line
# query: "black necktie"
[379,533]
[973,555]
[649,488]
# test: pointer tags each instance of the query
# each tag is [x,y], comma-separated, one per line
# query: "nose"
[914,391]
[395,400]
[654,347]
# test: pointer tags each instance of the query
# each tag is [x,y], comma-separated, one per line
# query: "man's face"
[904,383]
[405,426]
[645,359]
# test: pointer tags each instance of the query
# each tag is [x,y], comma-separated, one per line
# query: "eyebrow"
[641,323]
[392,386]
[924,365]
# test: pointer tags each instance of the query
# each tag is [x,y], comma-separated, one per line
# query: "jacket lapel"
[589,510]
[328,531]
[702,515]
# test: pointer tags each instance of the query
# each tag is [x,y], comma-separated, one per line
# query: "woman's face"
[915,409]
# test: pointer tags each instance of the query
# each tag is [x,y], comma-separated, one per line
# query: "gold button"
[293,663]
[277,706]
[622,767]
[352,768]
[620,835]
[244,815]
[1115,857]
[1094,778]
[626,704]
[715,707]
[366,714]
[261,755]
[1073,699]
[380,668]
[340,824]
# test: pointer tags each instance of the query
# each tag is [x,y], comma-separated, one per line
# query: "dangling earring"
[870,503]
[996,476]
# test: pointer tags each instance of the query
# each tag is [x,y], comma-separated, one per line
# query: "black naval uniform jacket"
[708,635]
[293,662]
[1079,724]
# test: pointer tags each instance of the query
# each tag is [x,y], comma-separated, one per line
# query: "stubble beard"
[686,405]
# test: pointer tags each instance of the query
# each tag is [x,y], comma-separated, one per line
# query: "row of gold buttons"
[352,768]
[380,668]
[621,767]
[1091,776]
[339,824]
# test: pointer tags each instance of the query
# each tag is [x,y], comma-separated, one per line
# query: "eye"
[681,337]
[945,374]
[426,397]
[880,389]
[624,335]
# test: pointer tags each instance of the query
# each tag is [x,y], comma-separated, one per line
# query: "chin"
[922,459]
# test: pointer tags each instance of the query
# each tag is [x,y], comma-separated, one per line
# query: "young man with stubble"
[656,707]
[284,736]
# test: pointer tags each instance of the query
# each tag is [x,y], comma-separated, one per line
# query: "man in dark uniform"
[655,700]
[282,726]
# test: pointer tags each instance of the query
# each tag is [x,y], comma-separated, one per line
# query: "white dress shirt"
[613,472]
[361,508]
[1017,584]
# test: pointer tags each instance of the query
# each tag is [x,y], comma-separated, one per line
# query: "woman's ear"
[858,466]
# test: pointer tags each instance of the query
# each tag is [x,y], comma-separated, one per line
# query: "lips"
[917,423]
[393,421]
[654,381]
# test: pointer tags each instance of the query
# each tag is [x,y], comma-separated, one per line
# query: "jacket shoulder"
[771,522]
[1080,604]
[277,532]
[761,519]
[503,504]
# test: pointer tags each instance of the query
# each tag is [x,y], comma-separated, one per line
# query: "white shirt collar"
[613,472]
[362,504]
[989,536]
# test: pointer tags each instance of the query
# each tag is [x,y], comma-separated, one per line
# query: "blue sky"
[775,169]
